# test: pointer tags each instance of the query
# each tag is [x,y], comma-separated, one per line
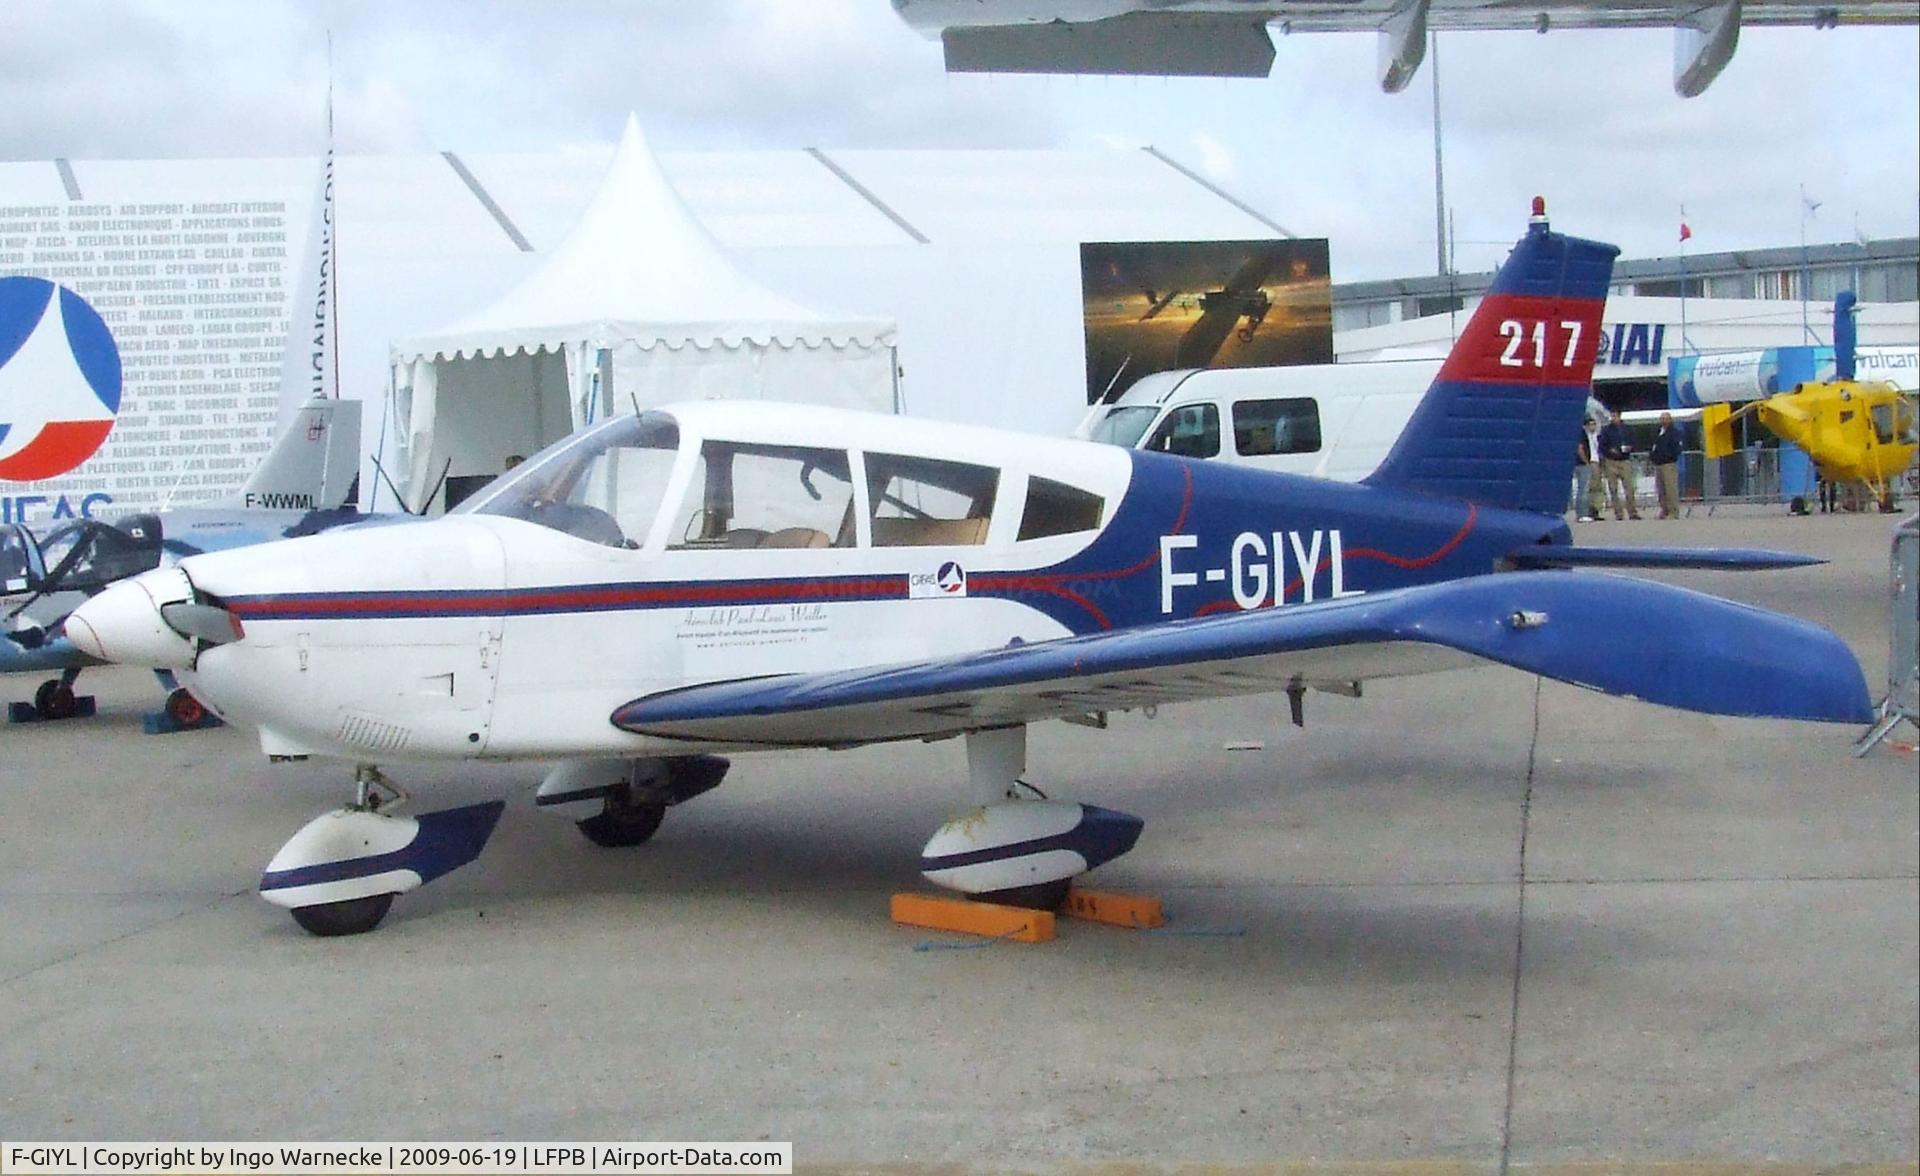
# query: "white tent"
[637,307]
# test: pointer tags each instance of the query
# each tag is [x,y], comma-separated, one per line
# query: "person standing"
[1586,498]
[1616,464]
[1666,467]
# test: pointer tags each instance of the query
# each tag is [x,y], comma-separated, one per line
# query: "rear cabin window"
[1263,427]
[746,497]
[921,502]
[1192,430]
[1055,508]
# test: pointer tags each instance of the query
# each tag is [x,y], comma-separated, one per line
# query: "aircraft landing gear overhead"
[1020,852]
[340,873]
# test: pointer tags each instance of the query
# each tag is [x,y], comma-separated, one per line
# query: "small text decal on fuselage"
[1256,568]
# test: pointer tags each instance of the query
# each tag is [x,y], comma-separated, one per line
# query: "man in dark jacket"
[1616,463]
[1666,467]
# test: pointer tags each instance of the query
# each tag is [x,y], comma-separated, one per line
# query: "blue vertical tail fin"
[1501,421]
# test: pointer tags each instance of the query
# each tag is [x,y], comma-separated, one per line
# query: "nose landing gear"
[340,873]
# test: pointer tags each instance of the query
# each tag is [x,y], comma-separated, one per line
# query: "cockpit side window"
[925,502]
[1055,508]
[604,485]
[1883,423]
[765,496]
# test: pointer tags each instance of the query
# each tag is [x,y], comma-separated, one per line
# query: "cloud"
[1587,119]
[1216,159]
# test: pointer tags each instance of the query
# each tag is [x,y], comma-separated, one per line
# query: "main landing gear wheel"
[1041,896]
[55,700]
[353,916]
[623,822]
[183,708]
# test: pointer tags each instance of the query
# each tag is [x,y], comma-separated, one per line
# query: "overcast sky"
[1587,118]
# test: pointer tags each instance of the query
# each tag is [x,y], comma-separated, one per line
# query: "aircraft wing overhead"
[1622,636]
[1231,38]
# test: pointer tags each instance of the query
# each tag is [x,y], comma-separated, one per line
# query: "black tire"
[1041,896]
[622,824]
[184,709]
[353,916]
[55,700]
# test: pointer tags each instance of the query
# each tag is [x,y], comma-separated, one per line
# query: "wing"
[1621,636]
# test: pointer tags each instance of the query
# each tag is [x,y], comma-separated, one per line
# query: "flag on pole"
[1685,231]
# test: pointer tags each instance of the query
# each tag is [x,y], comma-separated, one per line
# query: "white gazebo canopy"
[638,306]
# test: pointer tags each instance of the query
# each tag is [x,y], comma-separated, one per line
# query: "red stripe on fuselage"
[535,600]
[1518,339]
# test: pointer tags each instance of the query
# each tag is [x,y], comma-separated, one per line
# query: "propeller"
[202,622]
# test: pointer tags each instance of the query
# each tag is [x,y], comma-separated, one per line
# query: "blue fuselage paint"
[1199,538]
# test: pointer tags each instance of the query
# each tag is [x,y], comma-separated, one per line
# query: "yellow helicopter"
[1854,431]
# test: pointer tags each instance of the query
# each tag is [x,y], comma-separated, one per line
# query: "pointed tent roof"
[639,266]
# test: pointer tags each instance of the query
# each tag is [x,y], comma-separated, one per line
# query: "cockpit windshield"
[1124,426]
[604,485]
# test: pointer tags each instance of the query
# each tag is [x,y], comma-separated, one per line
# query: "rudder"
[313,463]
[1501,421]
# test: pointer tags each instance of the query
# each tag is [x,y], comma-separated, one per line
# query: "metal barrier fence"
[1903,628]
[1746,476]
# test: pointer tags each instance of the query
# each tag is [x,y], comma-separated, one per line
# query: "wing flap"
[1621,636]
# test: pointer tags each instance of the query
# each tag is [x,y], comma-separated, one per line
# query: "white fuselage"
[484,635]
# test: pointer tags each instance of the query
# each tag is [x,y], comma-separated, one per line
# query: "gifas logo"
[59,380]
[949,581]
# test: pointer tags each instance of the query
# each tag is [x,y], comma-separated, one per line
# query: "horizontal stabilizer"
[1725,559]
[1623,636]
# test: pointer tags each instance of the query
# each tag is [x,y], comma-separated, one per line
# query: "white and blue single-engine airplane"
[302,486]
[726,576]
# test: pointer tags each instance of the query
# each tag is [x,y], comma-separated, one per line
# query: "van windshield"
[1124,426]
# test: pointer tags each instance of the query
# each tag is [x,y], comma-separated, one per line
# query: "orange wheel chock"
[973,918]
[1117,910]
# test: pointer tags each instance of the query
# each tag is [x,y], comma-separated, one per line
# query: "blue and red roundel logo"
[59,380]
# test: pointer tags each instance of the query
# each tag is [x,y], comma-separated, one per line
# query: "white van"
[1328,420]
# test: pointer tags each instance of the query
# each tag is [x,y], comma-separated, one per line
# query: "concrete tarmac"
[1472,922]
